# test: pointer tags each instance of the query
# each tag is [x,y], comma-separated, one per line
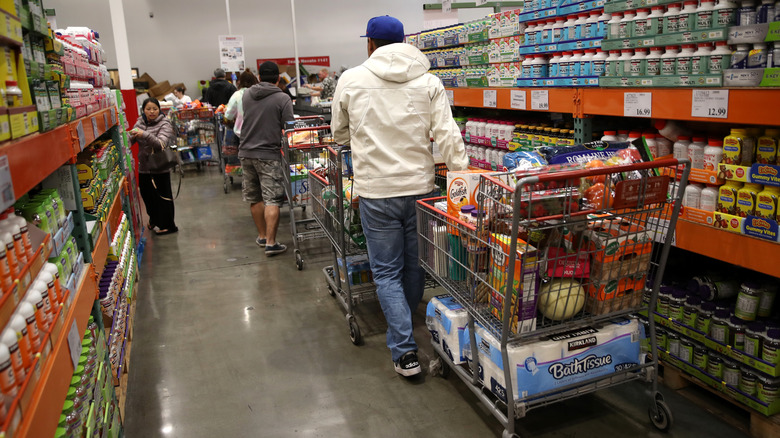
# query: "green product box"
[478,36]
[477,82]
[672,39]
[478,59]
[48,120]
[711,80]
[53,90]
[25,17]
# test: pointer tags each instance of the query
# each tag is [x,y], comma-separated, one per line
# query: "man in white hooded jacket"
[387,109]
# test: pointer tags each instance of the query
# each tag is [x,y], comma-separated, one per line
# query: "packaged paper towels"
[447,320]
[558,360]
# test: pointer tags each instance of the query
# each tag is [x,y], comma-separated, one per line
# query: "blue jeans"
[390,227]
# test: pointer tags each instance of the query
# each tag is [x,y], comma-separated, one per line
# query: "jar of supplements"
[662,303]
[676,305]
[736,333]
[686,350]
[748,301]
[700,356]
[673,344]
[715,366]
[704,319]
[731,373]
[771,346]
[767,300]
[719,327]
[691,310]
[767,389]
[747,381]
[662,338]
[754,338]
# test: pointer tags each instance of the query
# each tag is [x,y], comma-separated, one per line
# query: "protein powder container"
[719,327]
[691,310]
[731,373]
[686,350]
[715,366]
[767,389]
[748,301]
[770,351]
[700,357]
[704,319]
[747,381]
[754,338]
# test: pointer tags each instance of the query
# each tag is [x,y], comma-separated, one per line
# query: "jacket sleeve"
[339,121]
[232,107]
[446,132]
[287,112]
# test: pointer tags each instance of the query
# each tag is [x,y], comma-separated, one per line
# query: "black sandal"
[164,232]
[150,226]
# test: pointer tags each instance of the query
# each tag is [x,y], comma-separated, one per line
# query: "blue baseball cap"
[385,28]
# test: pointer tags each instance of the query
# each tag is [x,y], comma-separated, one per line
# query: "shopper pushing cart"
[386,110]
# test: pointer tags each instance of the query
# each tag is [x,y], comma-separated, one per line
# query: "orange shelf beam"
[561,100]
[36,156]
[746,106]
[97,123]
[737,249]
[41,418]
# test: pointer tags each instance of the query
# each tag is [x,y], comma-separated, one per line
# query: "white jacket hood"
[398,62]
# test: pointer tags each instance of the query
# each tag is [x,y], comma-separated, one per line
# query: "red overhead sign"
[311,60]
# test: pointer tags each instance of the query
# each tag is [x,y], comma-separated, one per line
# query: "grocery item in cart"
[582,153]
[561,298]
[303,137]
[615,295]
[462,189]
[523,282]
[447,320]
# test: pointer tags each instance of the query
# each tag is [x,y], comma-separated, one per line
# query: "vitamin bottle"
[704,14]
[640,26]
[739,57]
[638,63]
[653,61]
[713,154]
[614,25]
[669,61]
[624,62]
[700,61]
[696,152]
[680,148]
[747,13]
[590,25]
[611,63]
[692,196]
[746,199]
[709,199]
[725,13]
[766,202]
[664,145]
[586,64]
[655,21]
[683,61]
[747,301]
[727,197]
[599,63]
[766,149]
[9,339]
[670,18]
[624,28]
[686,20]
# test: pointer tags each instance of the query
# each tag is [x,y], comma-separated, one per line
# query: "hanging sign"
[231,53]
[309,60]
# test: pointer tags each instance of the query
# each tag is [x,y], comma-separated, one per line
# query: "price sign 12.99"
[710,104]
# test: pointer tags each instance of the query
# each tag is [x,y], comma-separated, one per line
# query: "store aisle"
[230,343]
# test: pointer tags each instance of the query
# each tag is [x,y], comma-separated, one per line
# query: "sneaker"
[275,249]
[260,242]
[408,365]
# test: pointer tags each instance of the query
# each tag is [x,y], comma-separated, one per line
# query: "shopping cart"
[539,264]
[227,149]
[349,278]
[196,131]
[302,143]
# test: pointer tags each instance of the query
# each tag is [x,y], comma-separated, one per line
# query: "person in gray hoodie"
[266,110]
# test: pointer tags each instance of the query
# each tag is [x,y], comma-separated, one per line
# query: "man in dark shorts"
[266,110]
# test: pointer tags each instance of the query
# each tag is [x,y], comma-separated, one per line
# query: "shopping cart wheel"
[444,368]
[225,186]
[298,260]
[354,331]
[660,415]
[506,434]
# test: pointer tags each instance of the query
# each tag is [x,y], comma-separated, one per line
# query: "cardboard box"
[462,189]
[161,89]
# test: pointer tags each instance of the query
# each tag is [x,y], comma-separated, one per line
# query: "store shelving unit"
[101,247]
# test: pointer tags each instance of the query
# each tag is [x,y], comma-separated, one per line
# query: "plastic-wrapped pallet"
[447,320]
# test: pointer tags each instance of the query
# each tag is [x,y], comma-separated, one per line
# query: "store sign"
[231,53]
[310,60]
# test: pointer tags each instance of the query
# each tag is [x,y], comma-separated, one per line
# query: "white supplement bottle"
[586,64]
[680,148]
[527,71]
[776,55]
[664,145]
[51,268]
[19,327]
[724,13]
[570,28]
[696,152]
[739,57]
[575,65]
[530,34]
[633,135]
[669,61]
[720,58]
[655,20]
[547,31]
[704,15]
[687,18]
[747,13]
[638,64]
[539,66]
[640,26]
[16,233]
[713,154]
[27,311]
[670,18]
[554,65]
[692,197]
[591,25]
[614,25]
[48,305]
[651,143]
[599,63]
[470,128]
[700,61]
[9,339]
[481,128]
[7,239]
[25,228]
[624,29]
[42,317]
[580,26]
[708,200]
[564,64]
[683,63]
[611,63]
[766,11]
[557,29]
[757,56]
[9,386]
[603,20]
[610,136]
[653,61]
[622,135]
[624,62]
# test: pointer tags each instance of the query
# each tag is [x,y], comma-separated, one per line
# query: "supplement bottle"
[554,68]
[614,25]
[640,26]
[766,150]
[564,65]
[727,197]
[611,63]
[624,28]
[575,65]
[775,54]
[754,338]
[662,303]
[590,26]
[737,333]
[19,326]
[719,327]
[747,381]
[747,13]
[673,343]
[27,311]
[609,136]
[746,199]
[539,66]
[692,196]
[718,290]
[757,56]
[622,135]
[700,61]
[739,57]
[720,58]
[686,350]
[767,202]
[724,13]
[653,61]
[704,14]
[669,61]
[771,348]
[768,294]
[557,30]
[9,339]
[733,145]
[624,62]
[683,62]
[709,199]
[700,357]
[599,63]
[42,317]
[767,389]
[604,19]
[655,21]
[677,305]
[664,145]
[581,27]
[570,28]
[680,148]
[651,143]
[530,34]
[527,71]
[10,252]
[696,152]
[731,373]
[547,31]
[766,11]
[713,154]
[691,310]
[638,63]
[662,338]
[704,320]
[715,366]
[686,21]
[586,64]
[8,383]
[670,18]
[747,301]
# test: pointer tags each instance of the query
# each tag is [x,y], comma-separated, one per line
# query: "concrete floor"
[229,343]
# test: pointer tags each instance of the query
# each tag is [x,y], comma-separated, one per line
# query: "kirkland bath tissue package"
[446,319]
[560,360]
